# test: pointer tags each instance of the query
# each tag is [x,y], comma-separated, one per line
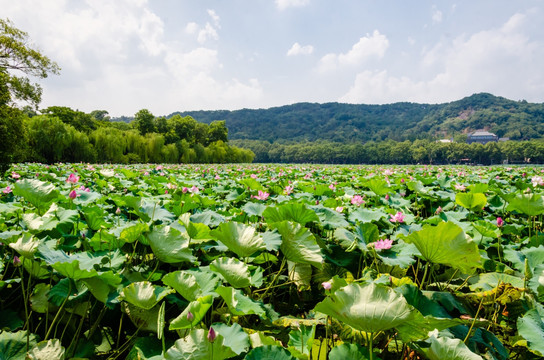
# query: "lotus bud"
[326,285]
[16,261]
[190,316]
[211,335]
[117,211]
[72,194]
[500,222]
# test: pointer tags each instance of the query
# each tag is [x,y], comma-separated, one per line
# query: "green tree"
[18,62]
[145,121]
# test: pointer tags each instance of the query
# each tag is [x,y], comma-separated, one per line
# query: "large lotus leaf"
[531,328]
[10,320]
[196,346]
[489,281]
[401,255]
[198,231]
[254,209]
[330,219]
[66,288]
[528,204]
[239,238]
[90,261]
[537,282]
[132,232]
[73,270]
[86,197]
[13,345]
[533,255]
[419,326]
[299,244]
[235,272]
[451,349]
[446,244]
[26,245]
[259,338]
[378,186]
[471,201]
[149,210]
[169,246]
[366,215]
[296,212]
[370,308]
[47,350]
[144,294]
[234,337]
[192,284]
[365,233]
[301,340]
[36,192]
[55,217]
[198,308]
[94,217]
[208,217]
[350,351]
[300,274]
[103,285]
[239,304]
[144,319]
[269,352]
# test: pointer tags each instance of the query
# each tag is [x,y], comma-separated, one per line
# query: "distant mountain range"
[518,120]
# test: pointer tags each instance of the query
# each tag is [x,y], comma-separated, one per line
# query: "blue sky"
[172,55]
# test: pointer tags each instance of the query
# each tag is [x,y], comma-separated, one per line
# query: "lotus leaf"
[47,350]
[197,308]
[295,212]
[241,239]
[144,294]
[36,192]
[298,244]
[451,349]
[269,352]
[196,346]
[192,284]
[531,328]
[169,246]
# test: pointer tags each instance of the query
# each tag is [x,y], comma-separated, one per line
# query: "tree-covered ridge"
[518,120]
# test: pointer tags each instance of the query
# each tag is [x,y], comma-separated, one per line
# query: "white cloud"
[284,4]
[436,16]
[215,18]
[191,28]
[367,47]
[297,49]
[208,32]
[501,61]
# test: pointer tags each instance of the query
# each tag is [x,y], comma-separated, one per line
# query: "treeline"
[336,122]
[61,134]
[395,152]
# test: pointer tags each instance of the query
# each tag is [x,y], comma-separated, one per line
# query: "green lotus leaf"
[196,346]
[239,304]
[296,212]
[234,337]
[13,345]
[144,294]
[94,217]
[471,201]
[132,232]
[10,320]
[254,209]
[269,352]
[169,246]
[146,348]
[38,300]
[26,246]
[365,233]
[533,255]
[47,350]
[235,272]
[198,231]
[144,319]
[419,326]
[350,351]
[365,215]
[529,204]
[55,217]
[369,308]
[451,349]
[198,308]
[208,217]
[489,281]
[301,340]
[531,328]
[103,285]
[36,192]
[239,238]
[73,270]
[378,186]
[89,261]
[299,244]
[330,219]
[446,244]
[537,282]
[86,197]
[67,288]
[300,274]
[192,284]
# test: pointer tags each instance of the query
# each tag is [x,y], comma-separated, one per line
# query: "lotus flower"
[73,178]
[211,335]
[288,190]
[7,190]
[383,244]
[339,209]
[190,316]
[326,285]
[500,222]
[72,194]
[397,218]
[357,200]
[262,195]
[460,187]
[15,175]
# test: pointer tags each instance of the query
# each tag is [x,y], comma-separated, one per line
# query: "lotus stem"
[59,311]
[424,275]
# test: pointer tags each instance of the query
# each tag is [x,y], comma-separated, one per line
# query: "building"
[482,137]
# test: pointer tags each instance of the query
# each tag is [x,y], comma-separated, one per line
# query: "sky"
[181,55]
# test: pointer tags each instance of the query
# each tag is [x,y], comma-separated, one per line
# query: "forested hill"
[517,120]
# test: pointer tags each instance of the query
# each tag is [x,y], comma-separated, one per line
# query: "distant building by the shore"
[482,137]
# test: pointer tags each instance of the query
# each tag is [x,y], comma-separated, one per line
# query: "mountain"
[518,120]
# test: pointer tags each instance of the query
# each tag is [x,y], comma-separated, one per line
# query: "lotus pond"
[271,262]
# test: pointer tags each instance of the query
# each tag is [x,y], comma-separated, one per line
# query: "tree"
[17,57]
[145,121]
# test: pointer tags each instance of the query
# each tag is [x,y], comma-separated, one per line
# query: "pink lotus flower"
[7,190]
[386,197]
[16,261]
[83,188]
[537,181]
[262,195]
[357,200]
[339,209]
[383,244]
[326,285]
[288,190]
[460,187]
[15,175]
[73,178]
[217,177]
[397,218]
[332,187]
[185,189]
[500,222]
[73,194]
[253,176]
[190,316]
[438,210]
[194,190]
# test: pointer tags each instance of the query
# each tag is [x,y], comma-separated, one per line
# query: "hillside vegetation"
[518,120]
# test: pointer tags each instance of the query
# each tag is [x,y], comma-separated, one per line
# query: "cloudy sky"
[177,55]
